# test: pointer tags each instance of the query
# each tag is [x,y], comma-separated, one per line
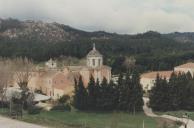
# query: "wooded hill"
[40,41]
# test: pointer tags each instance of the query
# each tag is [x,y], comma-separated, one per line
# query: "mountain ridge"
[55,32]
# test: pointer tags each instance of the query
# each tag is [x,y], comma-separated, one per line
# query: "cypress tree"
[102,98]
[189,94]
[80,96]
[124,93]
[156,94]
[136,93]
[91,93]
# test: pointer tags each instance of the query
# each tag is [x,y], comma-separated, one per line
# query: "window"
[99,62]
[93,61]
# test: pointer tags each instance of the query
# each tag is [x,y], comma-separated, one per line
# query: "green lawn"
[59,119]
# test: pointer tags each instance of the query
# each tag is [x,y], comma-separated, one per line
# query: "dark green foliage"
[64,99]
[176,94]
[92,93]
[130,92]
[152,51]
[81,95]
[159,95]
[63,104]
[125,96]
[136,93]
[34,110]
[62,107]
[105,99]
[124,92]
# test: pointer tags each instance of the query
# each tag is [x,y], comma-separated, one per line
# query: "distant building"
[147,80]
[55,82]
[51,64]
[188,67]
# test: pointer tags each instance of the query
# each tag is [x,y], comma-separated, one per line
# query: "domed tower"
[94,58]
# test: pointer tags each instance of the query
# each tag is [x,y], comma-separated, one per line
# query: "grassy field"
[59,119]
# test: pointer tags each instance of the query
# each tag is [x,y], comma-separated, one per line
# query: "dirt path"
[148,111]
[10,123]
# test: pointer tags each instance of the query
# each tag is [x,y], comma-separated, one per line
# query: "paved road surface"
[9,123]
[148,112]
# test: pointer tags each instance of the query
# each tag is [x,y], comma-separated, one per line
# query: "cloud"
[121,16]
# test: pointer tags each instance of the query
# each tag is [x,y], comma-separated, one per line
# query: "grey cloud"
[121,16]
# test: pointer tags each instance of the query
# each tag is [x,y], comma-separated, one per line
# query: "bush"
[62,107]
[34,110]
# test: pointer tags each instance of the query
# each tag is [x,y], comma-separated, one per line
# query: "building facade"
[56,82]
[147,80]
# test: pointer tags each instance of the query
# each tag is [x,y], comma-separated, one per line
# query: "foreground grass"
[58,119]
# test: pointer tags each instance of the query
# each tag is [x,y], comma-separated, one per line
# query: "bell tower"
[94,58]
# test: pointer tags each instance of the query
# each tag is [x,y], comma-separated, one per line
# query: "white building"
[51,64]
[147,80]
[188,67]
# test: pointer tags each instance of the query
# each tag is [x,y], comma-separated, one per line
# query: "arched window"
[93,61]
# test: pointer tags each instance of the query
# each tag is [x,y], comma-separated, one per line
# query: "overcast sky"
[121,16]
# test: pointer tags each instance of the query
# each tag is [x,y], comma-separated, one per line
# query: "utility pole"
[143,124]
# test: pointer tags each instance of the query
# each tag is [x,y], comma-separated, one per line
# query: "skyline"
[124,17]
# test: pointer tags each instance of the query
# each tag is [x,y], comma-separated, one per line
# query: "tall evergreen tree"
[124,94]
[80,96]
[189,94]
[136,93]
[156,94]
[92,93]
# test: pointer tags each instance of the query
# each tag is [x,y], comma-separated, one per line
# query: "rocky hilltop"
[35,30]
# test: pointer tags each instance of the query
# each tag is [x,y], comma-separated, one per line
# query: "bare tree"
[23,72]
[6,76]
[129,62]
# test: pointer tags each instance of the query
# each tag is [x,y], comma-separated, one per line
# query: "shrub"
[34,110]
[62,107]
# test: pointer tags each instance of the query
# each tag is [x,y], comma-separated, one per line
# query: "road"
[148,111]
[10,123]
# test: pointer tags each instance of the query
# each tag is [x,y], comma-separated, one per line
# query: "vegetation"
[58,119]
[125,96]
[175,94]
[152,50]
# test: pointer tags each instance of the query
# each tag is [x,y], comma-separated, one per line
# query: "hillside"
[40,41]
[186,37]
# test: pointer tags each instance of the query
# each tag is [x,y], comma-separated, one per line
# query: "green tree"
[80,96]
[92,92]
[136,93]
[157,96]
[124,92]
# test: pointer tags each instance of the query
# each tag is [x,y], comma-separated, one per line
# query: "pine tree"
[101,101]
[189,102]
[156,94]
[120,84]
[123,85]
[91,93]
[114,94]
[136,93]
[80,96]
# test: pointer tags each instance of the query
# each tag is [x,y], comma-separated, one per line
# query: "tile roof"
[187,65]
[163,74]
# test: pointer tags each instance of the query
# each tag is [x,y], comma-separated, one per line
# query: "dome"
[94,53]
